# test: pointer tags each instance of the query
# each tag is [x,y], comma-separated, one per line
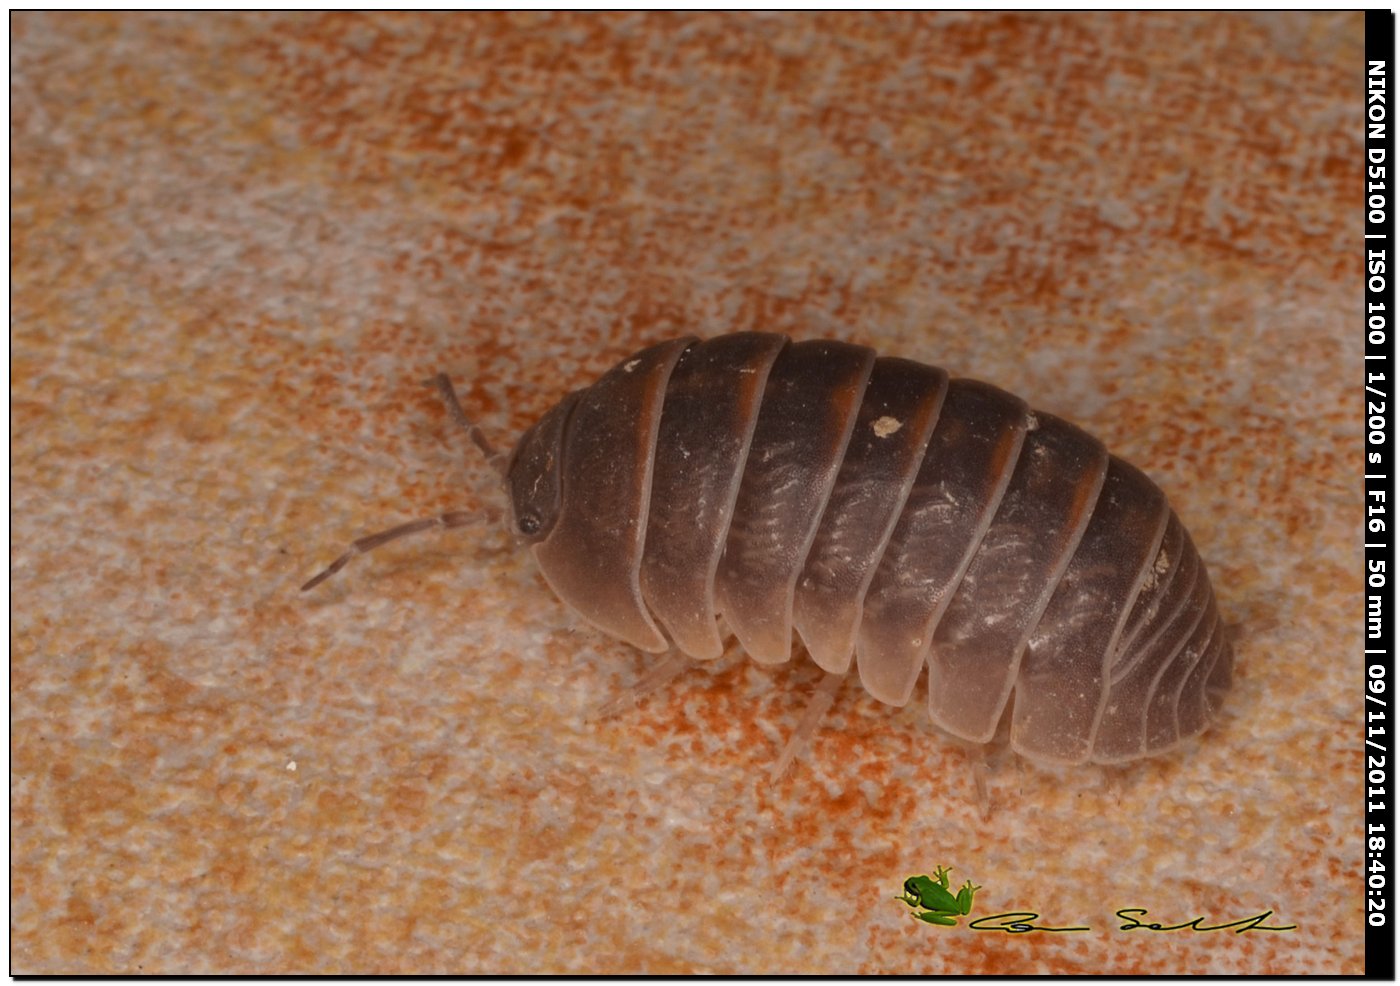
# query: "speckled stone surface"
[240,243]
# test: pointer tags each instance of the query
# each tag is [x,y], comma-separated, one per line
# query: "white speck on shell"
[886,426]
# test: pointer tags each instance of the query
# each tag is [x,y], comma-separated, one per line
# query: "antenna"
[453,518]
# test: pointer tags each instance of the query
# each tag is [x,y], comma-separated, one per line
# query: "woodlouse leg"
[675,664]
[817,705]
[455,518]
[494,458]
[981,774]
[1115,779]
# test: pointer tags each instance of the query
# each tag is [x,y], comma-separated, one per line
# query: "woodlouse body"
[895,518]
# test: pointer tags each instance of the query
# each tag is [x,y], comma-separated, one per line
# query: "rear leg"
[821,700]
[980,761]
[676,664]
[656,677]
[981,779]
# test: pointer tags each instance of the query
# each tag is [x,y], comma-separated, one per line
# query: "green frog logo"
[933,900]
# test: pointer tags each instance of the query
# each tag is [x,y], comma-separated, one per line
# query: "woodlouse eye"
[528,524]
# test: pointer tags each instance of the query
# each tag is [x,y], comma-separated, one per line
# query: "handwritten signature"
[1021,922]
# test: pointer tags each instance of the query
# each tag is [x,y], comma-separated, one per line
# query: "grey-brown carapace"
[897,519]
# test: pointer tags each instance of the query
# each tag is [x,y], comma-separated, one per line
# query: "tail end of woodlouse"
[821,700]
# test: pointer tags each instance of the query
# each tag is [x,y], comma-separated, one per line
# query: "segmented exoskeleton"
[896,518]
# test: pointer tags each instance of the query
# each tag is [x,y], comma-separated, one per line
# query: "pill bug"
[895,517]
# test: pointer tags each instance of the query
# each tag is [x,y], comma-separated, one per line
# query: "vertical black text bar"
[1379,399]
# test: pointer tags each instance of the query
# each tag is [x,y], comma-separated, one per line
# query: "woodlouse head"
[533,479]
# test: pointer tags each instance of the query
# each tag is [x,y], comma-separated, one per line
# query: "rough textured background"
[241,242]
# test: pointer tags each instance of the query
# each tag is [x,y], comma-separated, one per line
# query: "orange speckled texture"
[240,243]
